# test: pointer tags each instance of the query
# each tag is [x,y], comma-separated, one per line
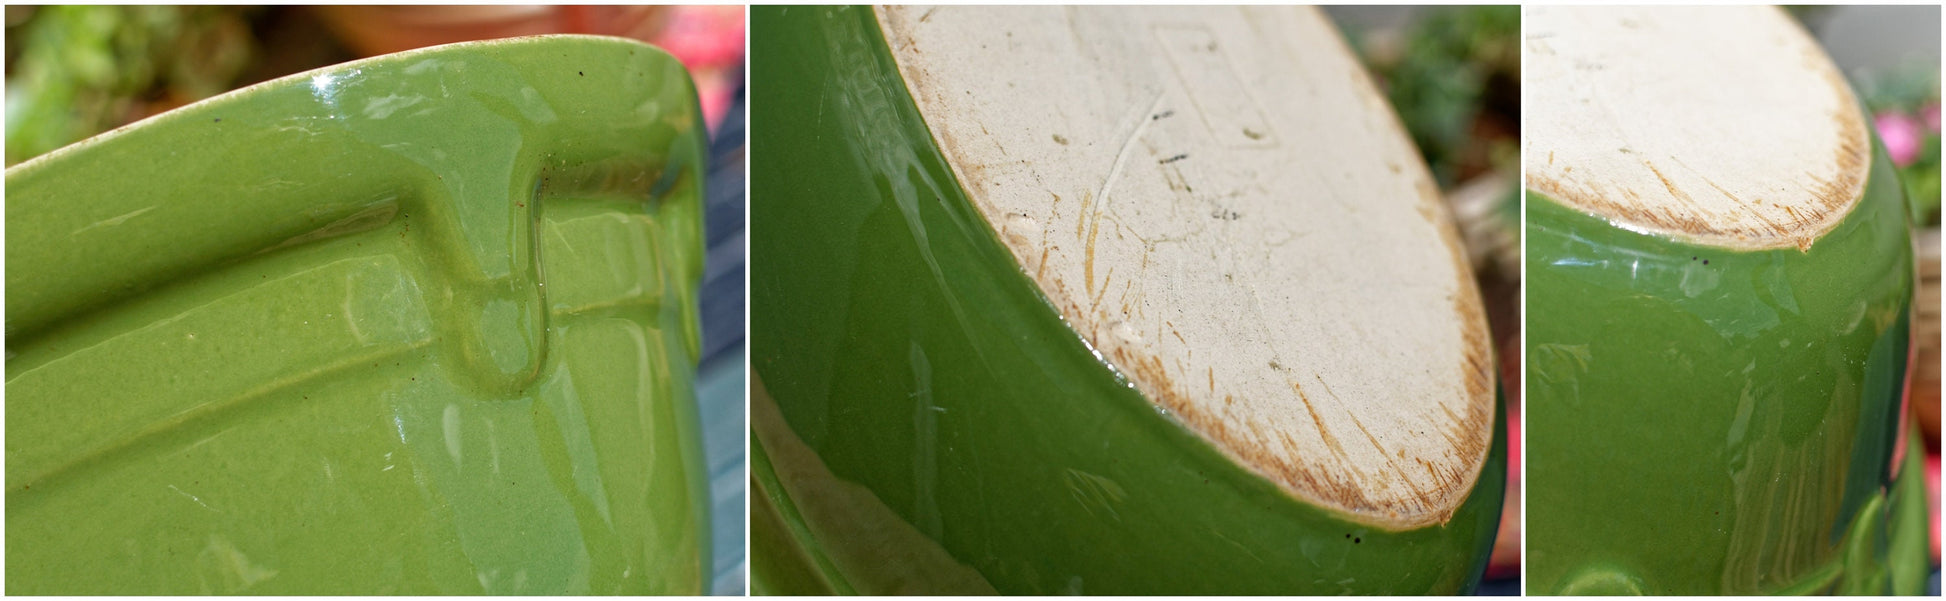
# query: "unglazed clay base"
[1760,145]
[1219,201]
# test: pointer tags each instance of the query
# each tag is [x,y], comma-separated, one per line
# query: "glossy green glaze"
[923,421]
[1711,421]
[424,323]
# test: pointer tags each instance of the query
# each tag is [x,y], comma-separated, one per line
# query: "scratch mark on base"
[1121,156]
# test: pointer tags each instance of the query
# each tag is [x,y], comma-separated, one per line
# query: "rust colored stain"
[1323,432]
[1094,230]
[1673,191]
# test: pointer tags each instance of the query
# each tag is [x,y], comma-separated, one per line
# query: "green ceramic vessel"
[925,420]
[1761,415]
[1721,415]
[419,324]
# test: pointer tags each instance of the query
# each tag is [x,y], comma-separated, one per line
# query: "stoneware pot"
[1103,301]
[424,324]
[1719,269]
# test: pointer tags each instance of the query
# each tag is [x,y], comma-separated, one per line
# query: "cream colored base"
[1725,126]
[1220,202]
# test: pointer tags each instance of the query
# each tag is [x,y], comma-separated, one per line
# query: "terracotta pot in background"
[374,30]
[707,39]
[1925,336]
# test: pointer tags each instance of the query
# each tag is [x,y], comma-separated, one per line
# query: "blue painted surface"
[720,383]
[1504,587]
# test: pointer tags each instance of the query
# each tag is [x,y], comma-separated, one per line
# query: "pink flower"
[1902,135]
[704,36]
[1930,115]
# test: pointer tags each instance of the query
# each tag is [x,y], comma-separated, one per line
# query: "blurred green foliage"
[1455,79]
[1911,90]
[75,71]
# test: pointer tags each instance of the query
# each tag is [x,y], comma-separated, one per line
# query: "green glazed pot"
[1709,413]
[927,420]
[420,324]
